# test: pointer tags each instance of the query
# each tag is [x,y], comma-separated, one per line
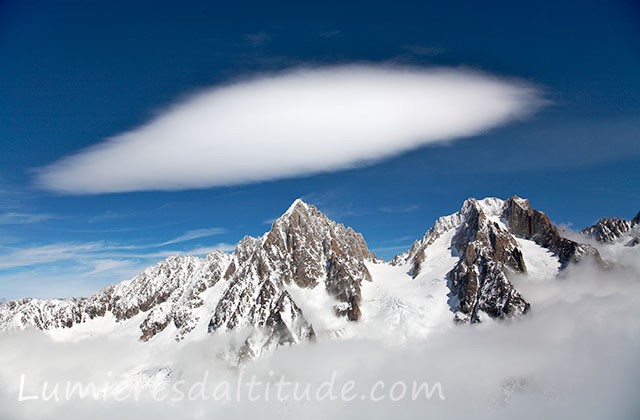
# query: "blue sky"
[75,73]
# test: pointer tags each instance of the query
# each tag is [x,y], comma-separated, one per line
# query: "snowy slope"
[400,306]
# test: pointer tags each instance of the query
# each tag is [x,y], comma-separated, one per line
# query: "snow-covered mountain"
[174,290]
[614,229]
[303,250]
[489,238]
[312,278]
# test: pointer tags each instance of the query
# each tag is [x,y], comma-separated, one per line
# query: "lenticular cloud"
[294,123]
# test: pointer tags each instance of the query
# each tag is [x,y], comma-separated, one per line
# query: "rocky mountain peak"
[303,249]
[489,253]
[486,241]
[488,207]
[296,207]
[473,214]
[609,230]
[306,240]
[528,223]
[259,286]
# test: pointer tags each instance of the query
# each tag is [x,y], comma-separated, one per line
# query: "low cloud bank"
[295,123]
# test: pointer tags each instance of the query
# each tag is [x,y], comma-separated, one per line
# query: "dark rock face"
[527,223]
[479,284]
[479,280]
[312,248]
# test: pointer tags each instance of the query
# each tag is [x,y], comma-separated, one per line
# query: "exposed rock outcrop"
[489,253]
[286,325]
[248,289]
[527,223]
[170,291]
[303,249]
[614,229]
[304,252]
[485,239]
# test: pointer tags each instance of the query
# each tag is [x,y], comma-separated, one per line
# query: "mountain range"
[311,278]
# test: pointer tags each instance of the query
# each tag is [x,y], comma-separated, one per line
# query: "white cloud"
[421,50]
[575,355]
[399,209]
[16,218]
[45,254]
[202,251]
[194,234]
[258,38]
[396,248]
[87,252]
[329,34]
[299,122]
[64,269]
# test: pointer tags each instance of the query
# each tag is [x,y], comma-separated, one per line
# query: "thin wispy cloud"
[16,218]
[108,265]
[397,248]
[108,216]
[269,221]
[423,50]
[329,34]
[194,234]
[12,257]
[33,255]
[399,209]
[258,38]
[12,197]
[222,246]
[295,123]
[72,269]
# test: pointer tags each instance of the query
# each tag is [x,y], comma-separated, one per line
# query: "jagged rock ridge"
[614,229]
[527,223]
[485,240]
[170,291]
[304,250]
